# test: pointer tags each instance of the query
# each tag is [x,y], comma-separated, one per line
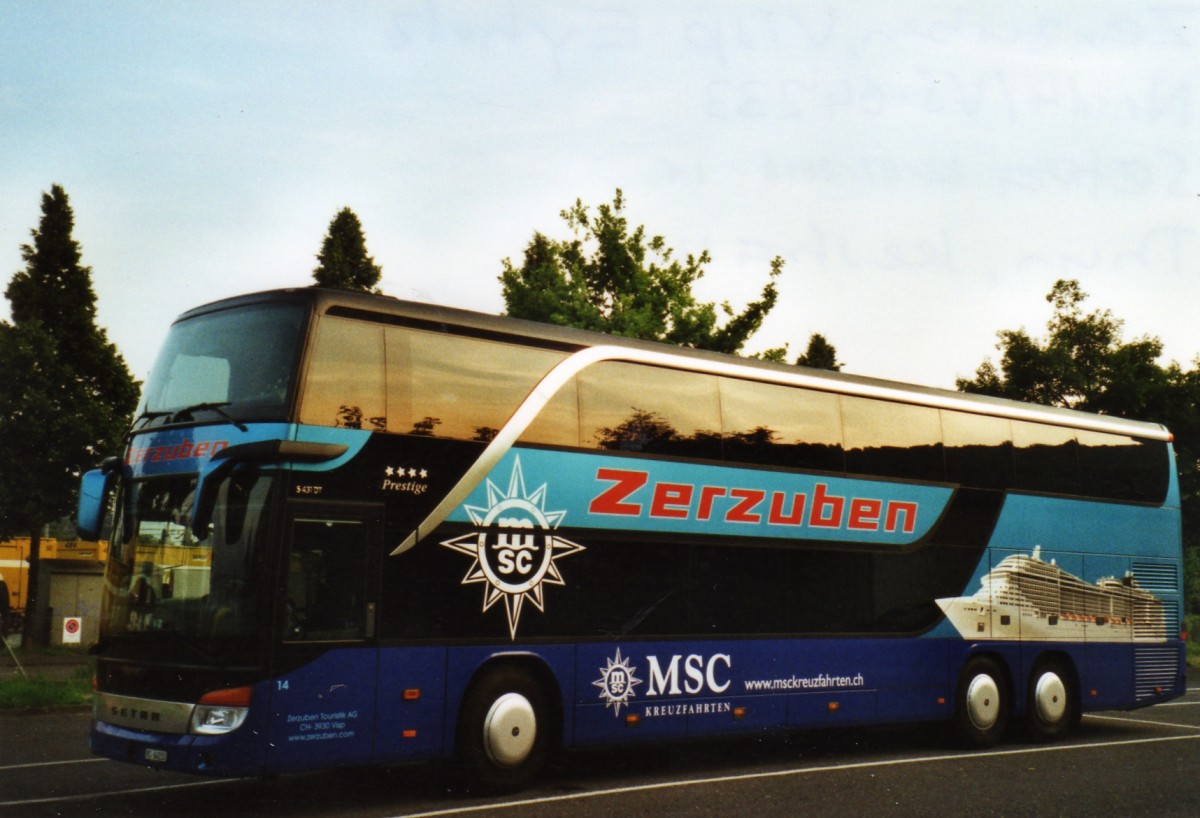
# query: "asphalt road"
[1141,763]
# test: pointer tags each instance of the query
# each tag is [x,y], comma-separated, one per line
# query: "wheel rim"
[1050,698]
[983,702]
[509,730]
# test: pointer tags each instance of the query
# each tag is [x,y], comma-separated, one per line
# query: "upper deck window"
[369,376]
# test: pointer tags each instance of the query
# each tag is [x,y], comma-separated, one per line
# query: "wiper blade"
[148,416]
[219,407]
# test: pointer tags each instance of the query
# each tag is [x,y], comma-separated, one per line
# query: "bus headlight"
[221,711]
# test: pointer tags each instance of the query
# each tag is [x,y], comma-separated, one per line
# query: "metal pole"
[4,639]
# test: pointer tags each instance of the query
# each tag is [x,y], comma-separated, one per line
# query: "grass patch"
[1192,623]
[19,693]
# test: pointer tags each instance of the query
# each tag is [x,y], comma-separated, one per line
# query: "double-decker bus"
[349,529]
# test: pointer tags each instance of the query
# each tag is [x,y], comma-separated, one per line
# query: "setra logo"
[134,714]
[514,549]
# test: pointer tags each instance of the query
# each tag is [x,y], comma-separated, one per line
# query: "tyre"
[1051,705]
[504,730]
[982,706]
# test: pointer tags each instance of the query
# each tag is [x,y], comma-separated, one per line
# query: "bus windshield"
[203,594]
[239,361]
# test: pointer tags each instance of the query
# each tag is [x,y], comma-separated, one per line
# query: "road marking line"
[731,779]
[84,796]
[1129,720]
[51,763]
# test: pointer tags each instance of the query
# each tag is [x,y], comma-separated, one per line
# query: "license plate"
[156,756]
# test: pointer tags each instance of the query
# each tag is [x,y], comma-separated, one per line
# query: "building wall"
[74,594]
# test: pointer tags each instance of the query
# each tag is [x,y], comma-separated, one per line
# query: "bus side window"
[558,422]
[770,424]
[893,439]
[1046,458]
[1116,467]
[979,450]
[326,581]
[446,385]
[628,407]
[345,385]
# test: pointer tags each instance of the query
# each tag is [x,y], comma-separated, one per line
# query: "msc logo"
[700,675]
[514,550]
[616,683]
[512,561]
[693,674]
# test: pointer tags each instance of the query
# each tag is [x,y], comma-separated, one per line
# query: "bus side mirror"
[94,489]
[261,452]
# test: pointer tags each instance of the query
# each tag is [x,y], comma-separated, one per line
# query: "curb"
[20,712]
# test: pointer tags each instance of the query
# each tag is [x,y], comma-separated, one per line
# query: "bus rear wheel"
[982,703]
[504,730]
[1050,706]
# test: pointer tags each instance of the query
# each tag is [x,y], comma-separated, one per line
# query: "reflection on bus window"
[326,581]
[161,578]
[892,439]
[775,425]
[1046,458]
[345,384]
[406,381]
[633,408]
[558,422]
[979,451]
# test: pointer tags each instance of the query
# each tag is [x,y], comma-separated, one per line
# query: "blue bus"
[349,529]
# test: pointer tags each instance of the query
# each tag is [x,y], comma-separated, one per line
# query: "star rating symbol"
[410,473]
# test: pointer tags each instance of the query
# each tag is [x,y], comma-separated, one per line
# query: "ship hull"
[977,619]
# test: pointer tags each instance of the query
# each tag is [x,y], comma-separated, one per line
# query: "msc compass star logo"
[514,552]
[616,682]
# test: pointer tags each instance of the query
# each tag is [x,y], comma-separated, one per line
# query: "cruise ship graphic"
[1025,597]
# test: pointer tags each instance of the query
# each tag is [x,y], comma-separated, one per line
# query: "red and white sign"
[72,630]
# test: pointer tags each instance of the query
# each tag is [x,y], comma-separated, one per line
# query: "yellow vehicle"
[14,570]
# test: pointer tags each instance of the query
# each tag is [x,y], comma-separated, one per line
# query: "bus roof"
[387,309]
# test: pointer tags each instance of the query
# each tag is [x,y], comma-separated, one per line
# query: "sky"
[926,170]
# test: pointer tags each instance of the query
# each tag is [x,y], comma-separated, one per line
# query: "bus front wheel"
[982,703]
[504,730]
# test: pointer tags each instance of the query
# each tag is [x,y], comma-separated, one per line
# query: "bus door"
[323,691]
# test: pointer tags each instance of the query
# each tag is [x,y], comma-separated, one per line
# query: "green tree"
[66,395]
[1083,363]
[612,278]
[344,263]
[820,354]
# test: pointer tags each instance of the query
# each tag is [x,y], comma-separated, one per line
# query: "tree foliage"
[820,354]
[35,429]
[344,262]
[1083,363]
[614,278]
[66,394]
